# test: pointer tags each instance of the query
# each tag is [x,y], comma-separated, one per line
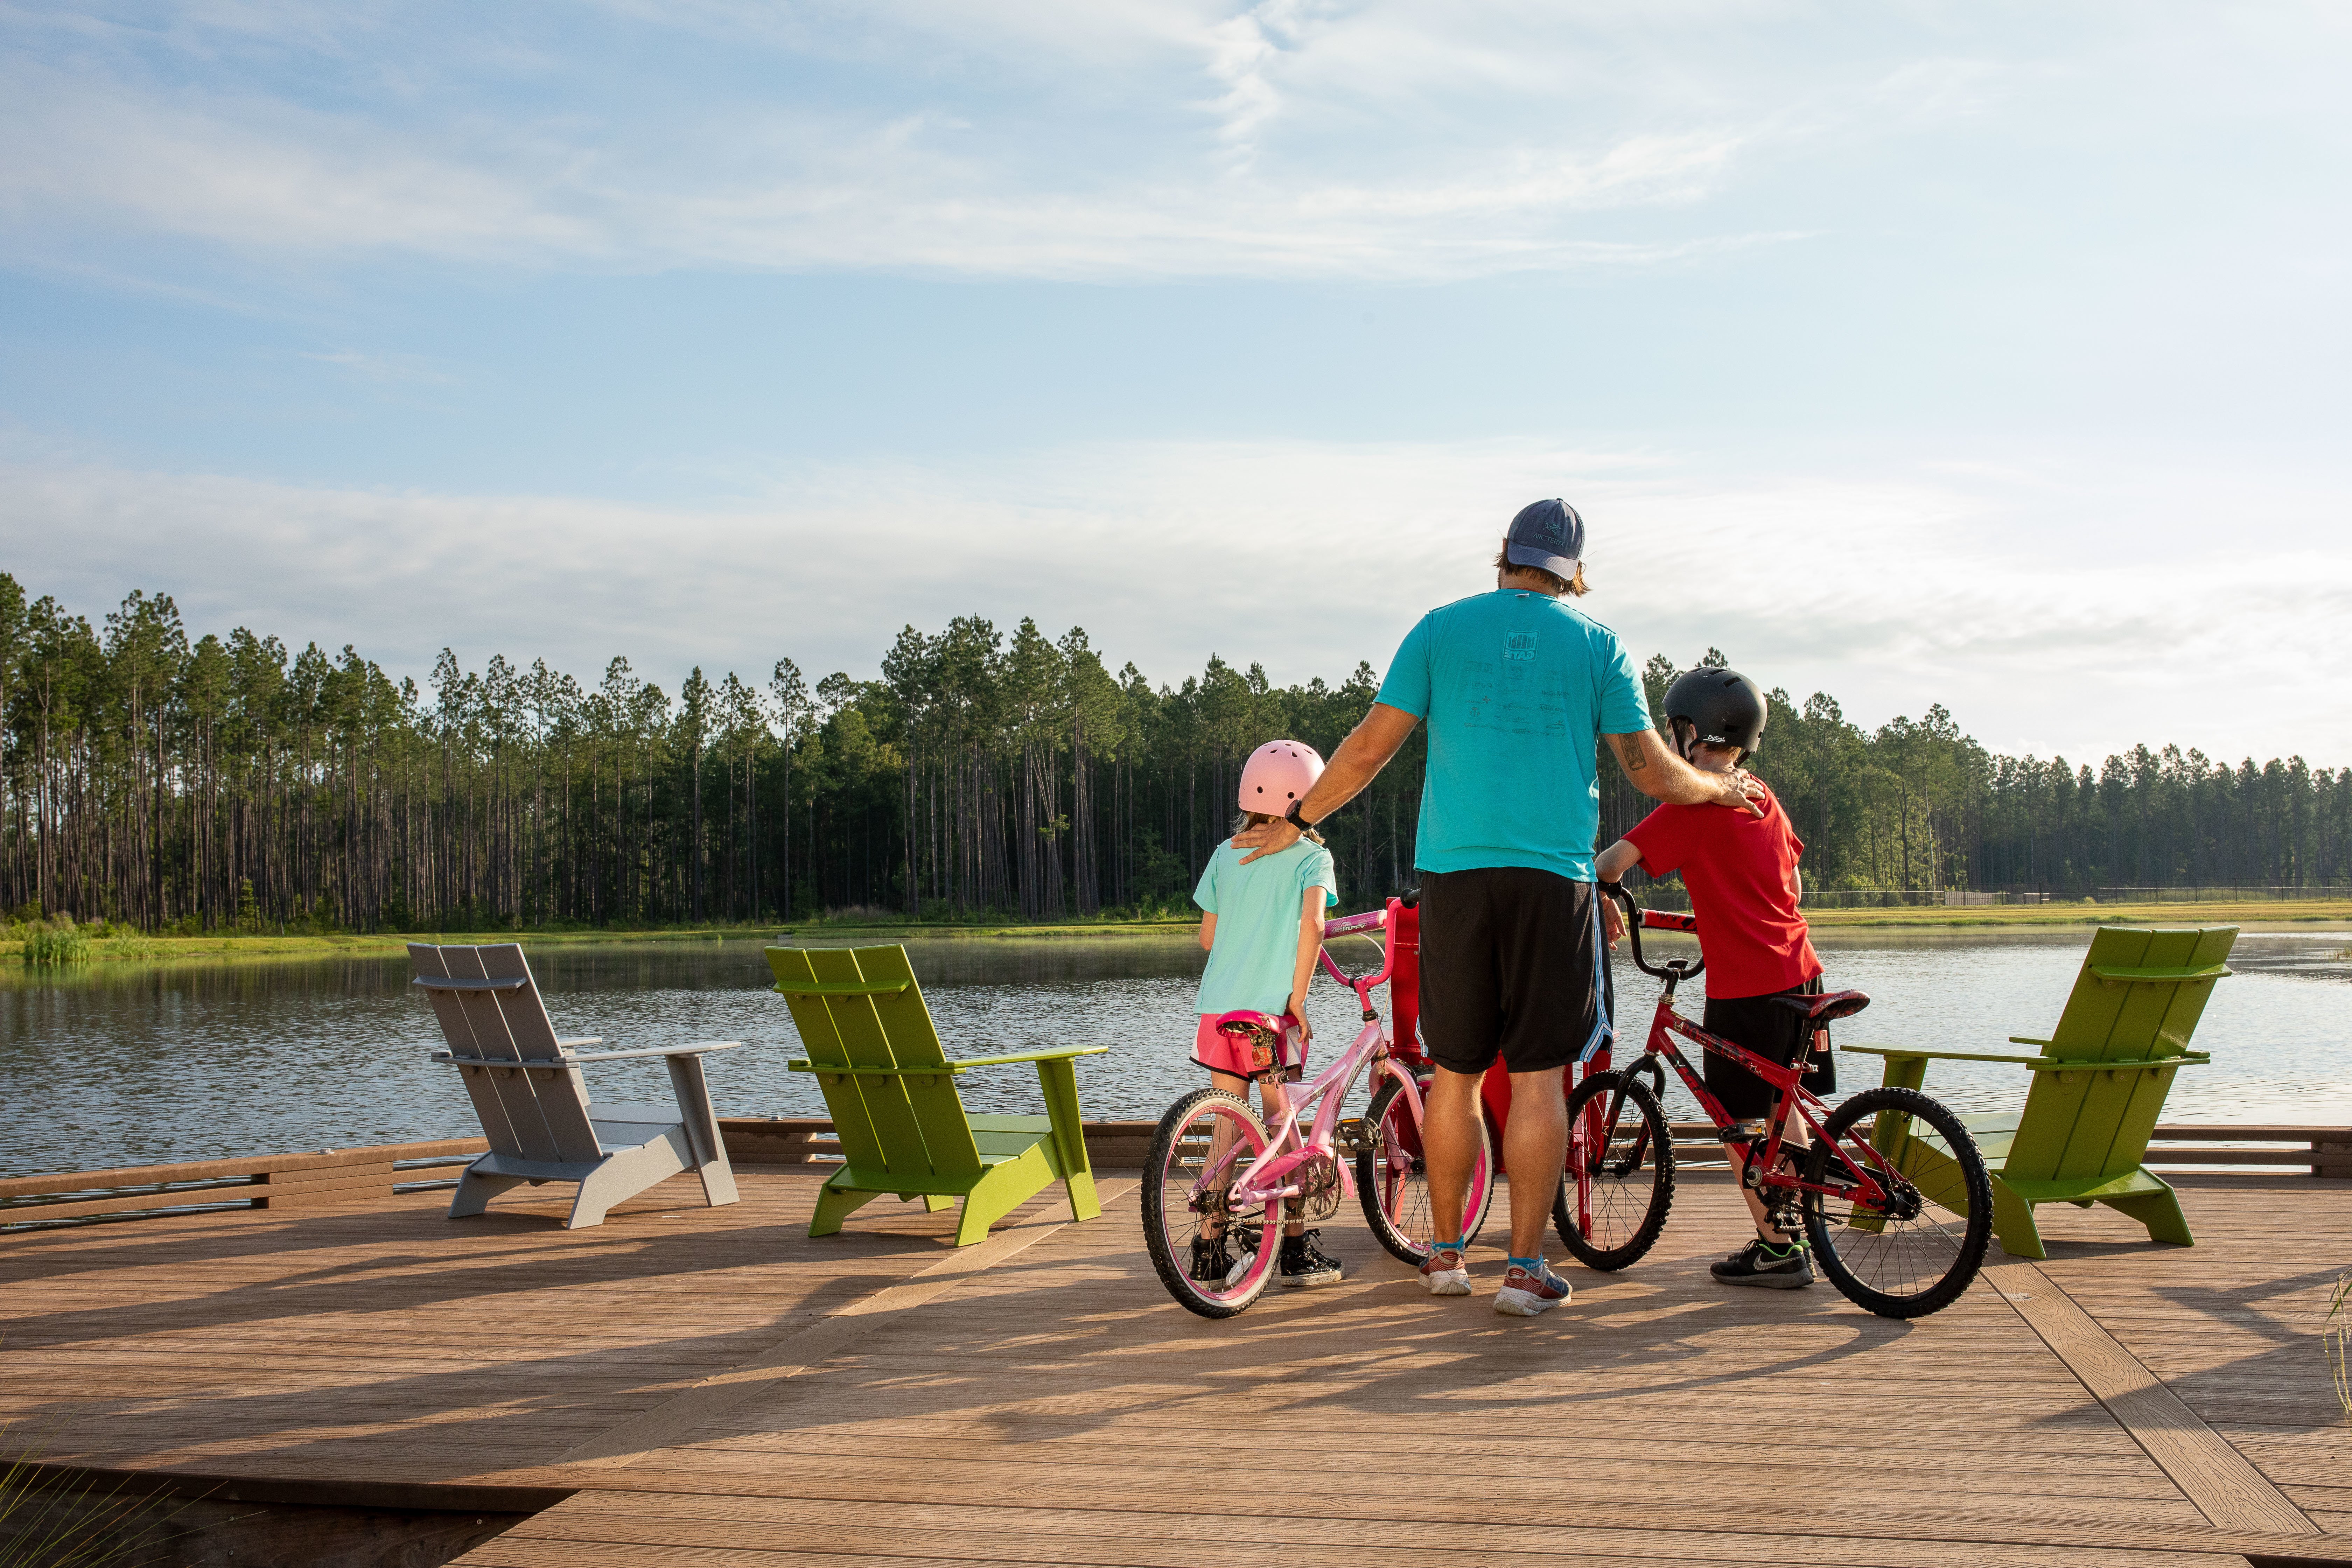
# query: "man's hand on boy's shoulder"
[1744,790]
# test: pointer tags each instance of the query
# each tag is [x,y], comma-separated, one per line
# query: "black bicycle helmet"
[1721,707]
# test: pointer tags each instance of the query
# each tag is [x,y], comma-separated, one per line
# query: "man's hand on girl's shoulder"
[1266,838]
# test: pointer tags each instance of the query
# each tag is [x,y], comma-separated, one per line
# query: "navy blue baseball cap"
[1548,534]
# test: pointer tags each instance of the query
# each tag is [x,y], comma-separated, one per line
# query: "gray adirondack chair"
[527,1089]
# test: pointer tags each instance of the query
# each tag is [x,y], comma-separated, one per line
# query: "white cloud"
[1890,594]
[1047,140]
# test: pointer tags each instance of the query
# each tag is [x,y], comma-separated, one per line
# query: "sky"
[1987,354]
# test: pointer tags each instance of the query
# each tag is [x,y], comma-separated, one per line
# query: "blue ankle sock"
[1534,1264]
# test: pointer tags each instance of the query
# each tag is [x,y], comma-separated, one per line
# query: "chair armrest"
[1055,1053]
[1908,1053]
[700,1047]
[565,1064]
[2148,1064]
[2158,976]
[583,1040]
[2047,1045]
[954,1065]
[529,1064]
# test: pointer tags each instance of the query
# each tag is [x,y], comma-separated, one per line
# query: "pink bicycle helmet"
[1277,774]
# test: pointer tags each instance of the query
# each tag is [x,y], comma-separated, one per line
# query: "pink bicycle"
[1217,1172]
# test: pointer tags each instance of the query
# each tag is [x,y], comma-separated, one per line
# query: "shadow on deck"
[685,1384]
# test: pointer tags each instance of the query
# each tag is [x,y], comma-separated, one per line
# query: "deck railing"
[340,1176]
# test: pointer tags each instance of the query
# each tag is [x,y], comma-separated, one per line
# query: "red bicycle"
[1896,1245]
[1392,1171]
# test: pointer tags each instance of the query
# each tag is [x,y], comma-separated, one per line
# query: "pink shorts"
[1223,1053]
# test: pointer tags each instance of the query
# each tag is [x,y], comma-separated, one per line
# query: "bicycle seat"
[1829,1004]
[1238,1024]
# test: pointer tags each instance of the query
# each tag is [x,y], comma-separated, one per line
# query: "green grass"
[46,945]
[53,945]
[2329,911]
[2338,1338]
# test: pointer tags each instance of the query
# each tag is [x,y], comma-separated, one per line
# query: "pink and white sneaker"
[1528,1292]
[1444,1274]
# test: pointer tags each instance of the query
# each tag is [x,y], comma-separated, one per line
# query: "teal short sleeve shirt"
[1517,687]
[1258,909]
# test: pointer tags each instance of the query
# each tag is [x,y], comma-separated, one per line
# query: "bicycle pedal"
[1353,1136]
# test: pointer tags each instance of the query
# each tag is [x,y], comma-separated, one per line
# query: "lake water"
[117,1065]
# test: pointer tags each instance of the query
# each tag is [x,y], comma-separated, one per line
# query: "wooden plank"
[2227,1489]
[796,1352]
[210,1170]
[245,1193]
[383,1344]
[1277,1530]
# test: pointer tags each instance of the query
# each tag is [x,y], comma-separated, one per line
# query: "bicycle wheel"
[1918,1252]
[1619,1180]
[1393,1179]
[1206,1139]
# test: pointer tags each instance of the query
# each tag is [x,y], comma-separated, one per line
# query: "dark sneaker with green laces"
[1775,1266]
[1304,1263]
[1211,1261]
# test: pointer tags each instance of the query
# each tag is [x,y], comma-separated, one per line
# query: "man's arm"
[1358,762]
[1657,772]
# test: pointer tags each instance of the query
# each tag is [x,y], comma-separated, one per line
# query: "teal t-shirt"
[1257,908]
[1517,689]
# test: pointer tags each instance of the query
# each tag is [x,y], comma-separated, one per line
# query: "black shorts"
[1512,963]
[1773,1032]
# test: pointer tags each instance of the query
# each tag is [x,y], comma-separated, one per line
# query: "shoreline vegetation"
[230,947]
[188,785]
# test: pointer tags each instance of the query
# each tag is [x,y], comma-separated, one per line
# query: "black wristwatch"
[1292,817]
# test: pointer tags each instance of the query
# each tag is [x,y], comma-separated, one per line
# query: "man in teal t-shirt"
[1519,689]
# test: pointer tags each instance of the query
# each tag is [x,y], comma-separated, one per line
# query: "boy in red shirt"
[1741,871]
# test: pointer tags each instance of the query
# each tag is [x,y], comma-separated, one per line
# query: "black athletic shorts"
[1512,963]
[1773,1032]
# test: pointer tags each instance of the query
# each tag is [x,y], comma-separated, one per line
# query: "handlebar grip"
[1669,919]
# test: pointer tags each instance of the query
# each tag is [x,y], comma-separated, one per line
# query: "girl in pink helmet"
[1263,925]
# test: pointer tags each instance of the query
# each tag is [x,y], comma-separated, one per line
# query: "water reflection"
[114,1064]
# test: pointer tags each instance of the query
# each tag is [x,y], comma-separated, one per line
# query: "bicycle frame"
[1267,1178]
[1853,1182]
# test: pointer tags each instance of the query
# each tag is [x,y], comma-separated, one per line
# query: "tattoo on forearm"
[1629,752]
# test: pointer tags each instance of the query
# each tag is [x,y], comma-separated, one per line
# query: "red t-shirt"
[1741,871]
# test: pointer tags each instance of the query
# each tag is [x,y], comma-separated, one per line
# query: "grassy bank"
[377,944]
[2000,917]
[2006,917]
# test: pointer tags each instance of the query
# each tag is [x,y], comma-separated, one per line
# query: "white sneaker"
[1529,1292]
[1443,1278]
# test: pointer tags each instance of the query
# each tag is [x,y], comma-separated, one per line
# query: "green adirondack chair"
[2099,1083]
[891,1091]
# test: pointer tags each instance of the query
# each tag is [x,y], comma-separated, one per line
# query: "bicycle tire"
[1170,1220]
[1395,1196]
[1631,1187]
[1934,1254]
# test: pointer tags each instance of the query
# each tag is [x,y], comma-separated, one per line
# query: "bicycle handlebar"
[1637,919]
[1370,921]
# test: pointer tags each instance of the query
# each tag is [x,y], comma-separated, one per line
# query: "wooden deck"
[688,1385]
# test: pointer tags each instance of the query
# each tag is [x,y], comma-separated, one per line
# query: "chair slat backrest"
[861,1007]
[532,1115]
[2084,1122]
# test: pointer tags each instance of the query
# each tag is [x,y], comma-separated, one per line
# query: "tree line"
[200,783]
